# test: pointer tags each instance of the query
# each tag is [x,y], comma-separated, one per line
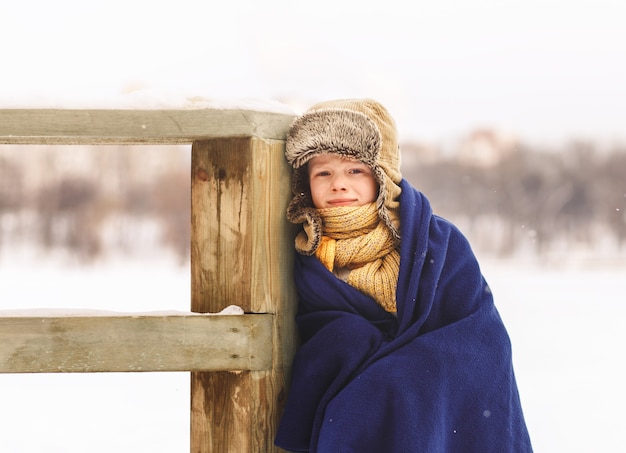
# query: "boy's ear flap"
[307,240]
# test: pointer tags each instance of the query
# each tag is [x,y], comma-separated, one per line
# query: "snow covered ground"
[566,325]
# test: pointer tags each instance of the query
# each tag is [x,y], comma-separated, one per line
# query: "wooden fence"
[241,254]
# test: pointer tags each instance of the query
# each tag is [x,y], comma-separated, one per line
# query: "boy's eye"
[358,171]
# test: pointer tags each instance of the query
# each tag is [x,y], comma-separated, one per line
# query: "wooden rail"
[135,343]
[104,126]
[241,254]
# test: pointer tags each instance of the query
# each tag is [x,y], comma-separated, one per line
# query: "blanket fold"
[436,378]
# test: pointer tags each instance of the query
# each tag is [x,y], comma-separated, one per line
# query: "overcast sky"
[546,70]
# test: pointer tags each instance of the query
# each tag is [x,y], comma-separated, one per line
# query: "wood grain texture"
[66,126]
[241,254]
[242,250]
[135,343]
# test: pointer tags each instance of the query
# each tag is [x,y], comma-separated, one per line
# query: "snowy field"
[566,325]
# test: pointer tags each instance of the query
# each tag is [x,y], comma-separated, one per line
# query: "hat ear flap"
[387,202]
[309,238]
[302,211]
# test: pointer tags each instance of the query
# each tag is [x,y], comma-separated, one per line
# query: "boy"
[402,347]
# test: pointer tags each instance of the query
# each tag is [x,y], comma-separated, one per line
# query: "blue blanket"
[436,378]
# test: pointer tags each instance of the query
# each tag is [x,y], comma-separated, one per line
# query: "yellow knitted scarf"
[355,238]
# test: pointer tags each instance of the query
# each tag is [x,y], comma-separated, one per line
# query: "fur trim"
[332,130]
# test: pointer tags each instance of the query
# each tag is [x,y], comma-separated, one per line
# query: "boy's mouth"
[342,202]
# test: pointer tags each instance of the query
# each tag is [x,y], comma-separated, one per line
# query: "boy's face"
[337,181]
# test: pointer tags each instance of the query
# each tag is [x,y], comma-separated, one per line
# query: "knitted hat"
[360,129]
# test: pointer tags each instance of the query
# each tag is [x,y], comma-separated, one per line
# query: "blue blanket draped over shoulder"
[438,378]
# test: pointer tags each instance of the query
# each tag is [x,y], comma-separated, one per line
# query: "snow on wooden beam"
[67,126]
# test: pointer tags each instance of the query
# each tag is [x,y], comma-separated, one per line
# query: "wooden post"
[241,254]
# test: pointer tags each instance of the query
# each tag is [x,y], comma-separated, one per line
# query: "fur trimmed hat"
[360,129]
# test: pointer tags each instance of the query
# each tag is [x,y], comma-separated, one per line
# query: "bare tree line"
[529,198]
[88,216]
[532,198]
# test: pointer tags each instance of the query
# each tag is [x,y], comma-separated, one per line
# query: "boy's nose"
[339,183]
